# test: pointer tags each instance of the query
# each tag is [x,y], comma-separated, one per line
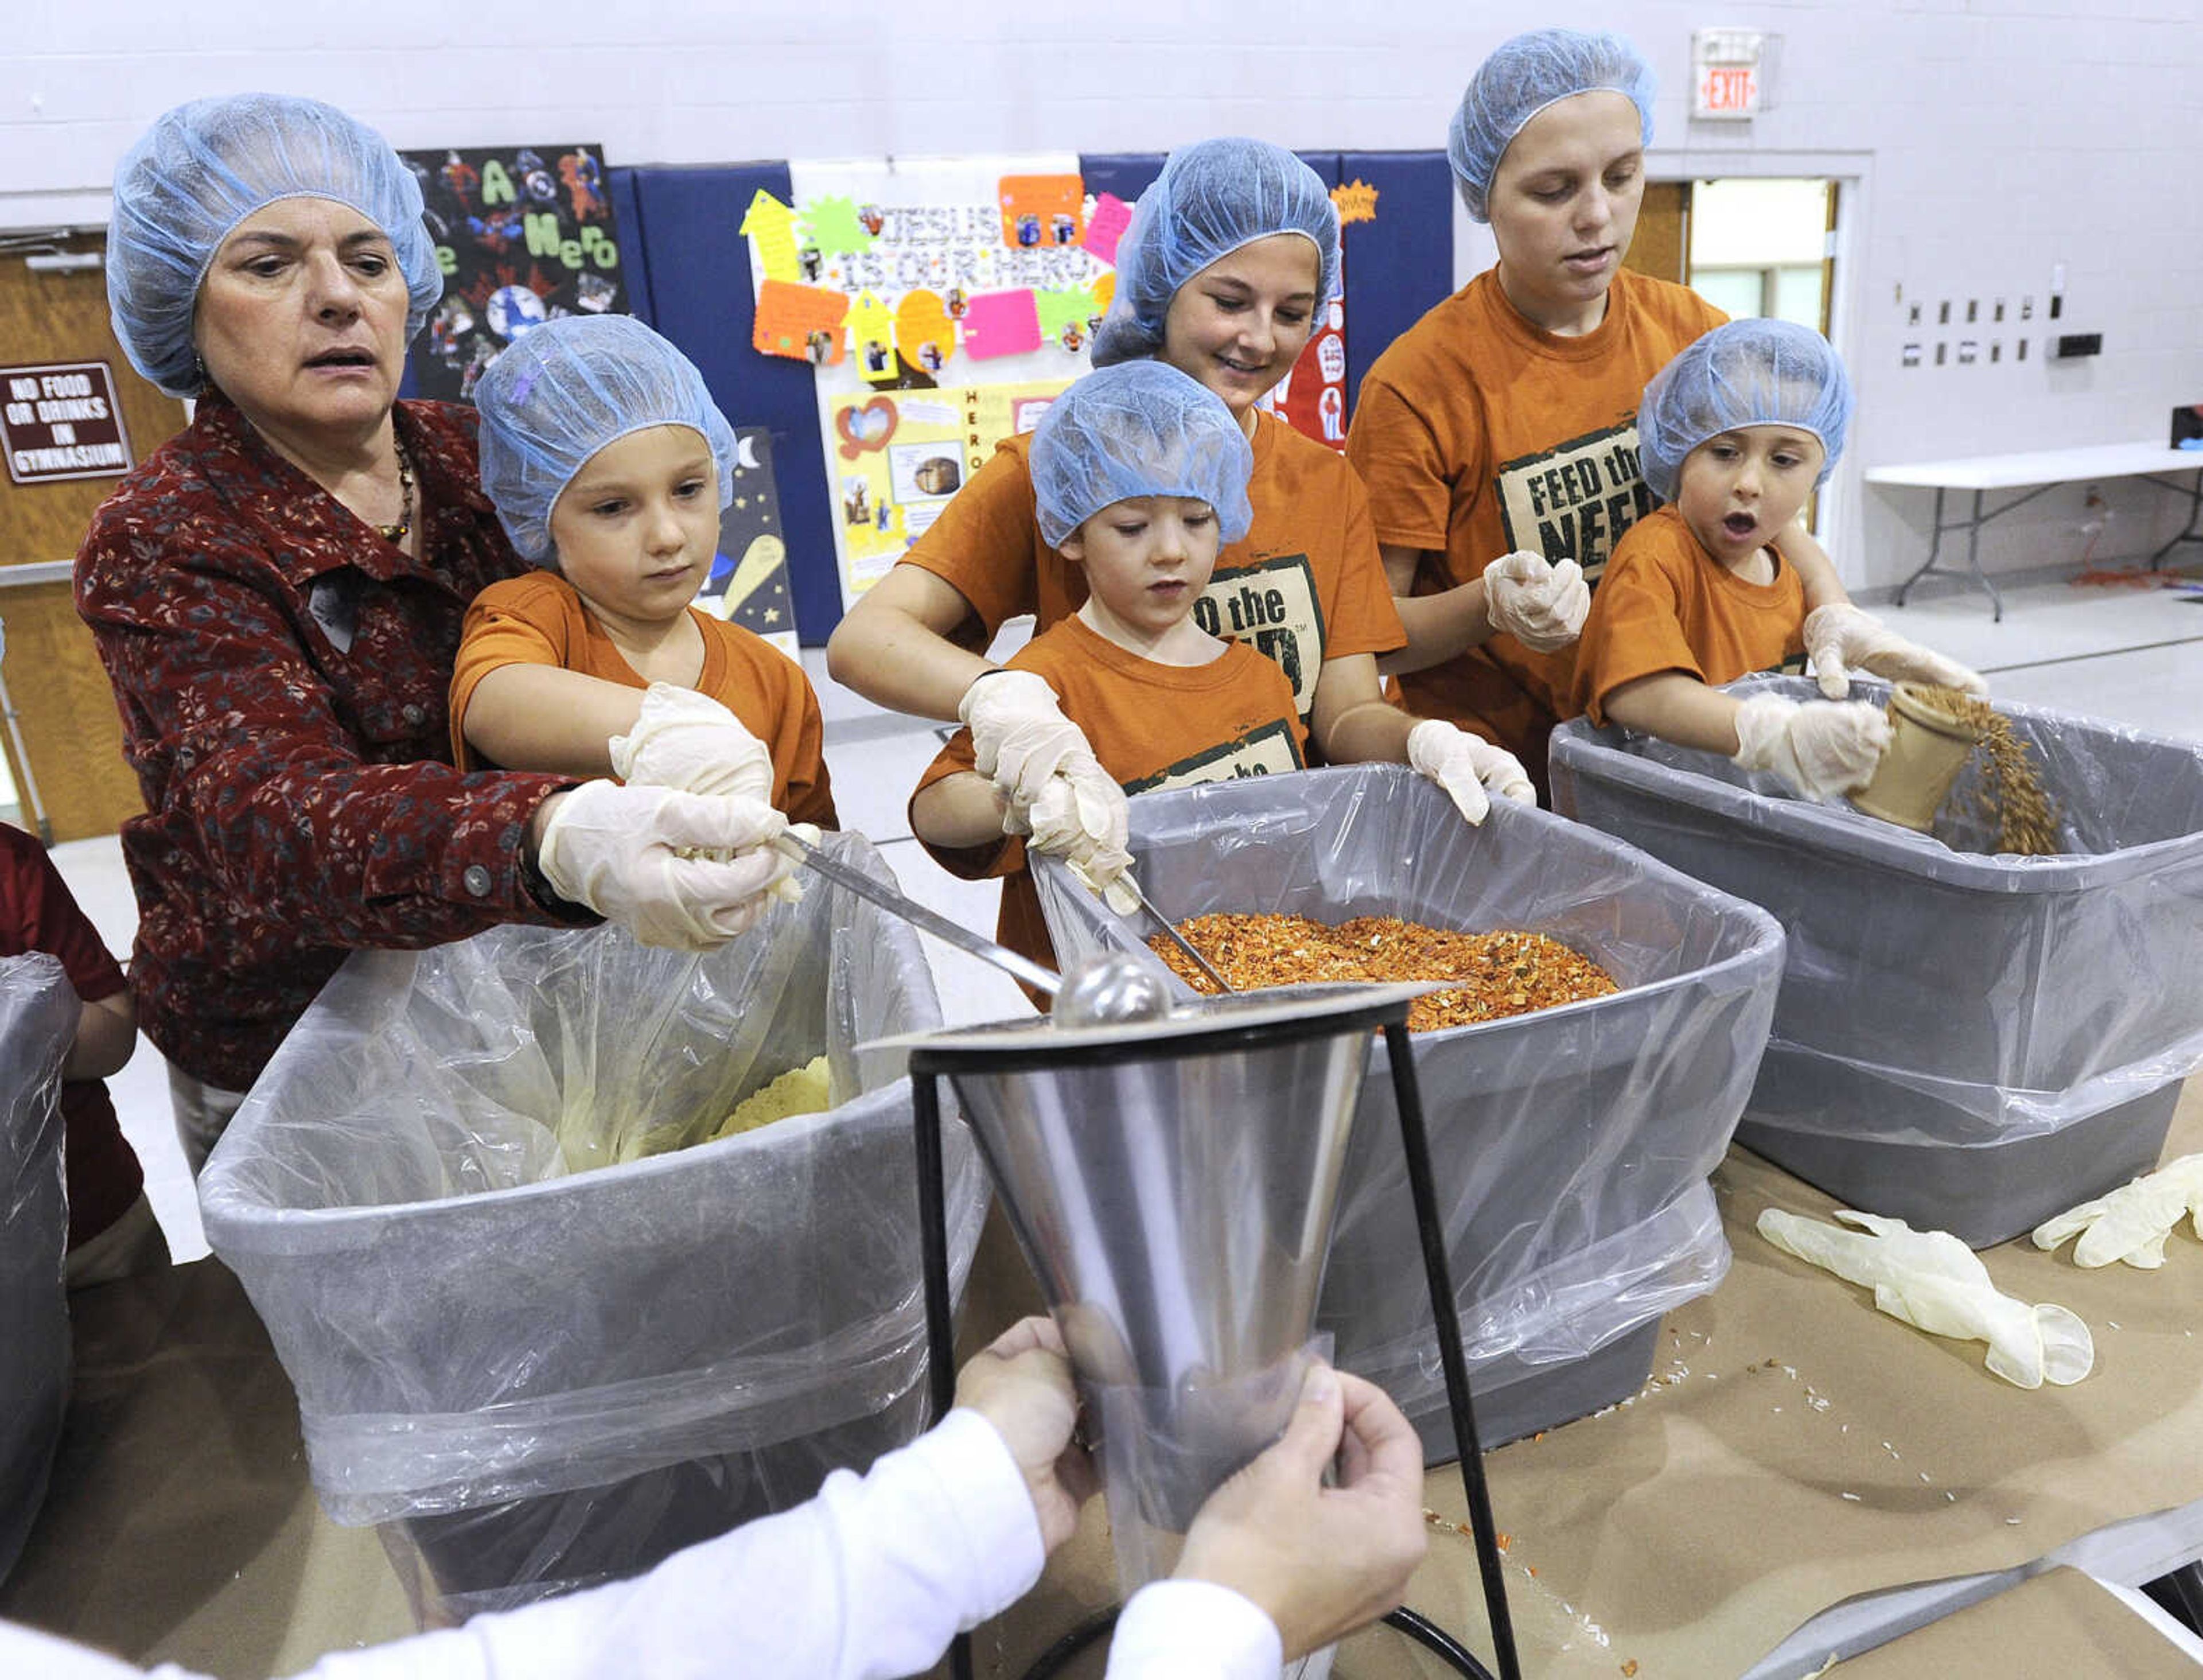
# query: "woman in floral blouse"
[277,594]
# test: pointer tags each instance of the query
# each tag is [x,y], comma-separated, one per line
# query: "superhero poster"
[523,234]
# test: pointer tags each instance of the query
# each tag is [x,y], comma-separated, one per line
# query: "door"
[64,739]
[1661,246]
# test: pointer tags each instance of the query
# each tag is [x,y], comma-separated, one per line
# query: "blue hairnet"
[1141,428]
[1212,198]
[201,169]
[555,396]
[1520,79]
[1747,373]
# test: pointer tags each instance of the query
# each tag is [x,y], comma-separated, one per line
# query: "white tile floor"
[2132,656]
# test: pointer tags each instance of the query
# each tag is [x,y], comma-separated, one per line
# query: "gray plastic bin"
[552,1377]
[38,1023]
[1571,1146]
[1967,1041]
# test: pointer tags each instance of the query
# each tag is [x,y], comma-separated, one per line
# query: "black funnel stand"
[928,1063]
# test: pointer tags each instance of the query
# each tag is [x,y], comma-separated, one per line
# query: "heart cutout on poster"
[866,426]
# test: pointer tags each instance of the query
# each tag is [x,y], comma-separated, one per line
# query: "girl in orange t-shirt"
[1231,255]
[609,465]
[1502,424]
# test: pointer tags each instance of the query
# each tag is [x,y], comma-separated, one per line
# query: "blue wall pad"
[1402,264]
[634,244]
[701,298]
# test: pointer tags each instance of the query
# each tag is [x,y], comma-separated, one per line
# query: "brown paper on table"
[1693,1529]
[2060,1621]
[180,1525]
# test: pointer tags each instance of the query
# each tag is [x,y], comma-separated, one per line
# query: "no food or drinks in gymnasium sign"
[61,421]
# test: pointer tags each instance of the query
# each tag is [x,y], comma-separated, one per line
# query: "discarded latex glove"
[1542,606]
[1079,816]
[2133,1221]
[1818,748]
[1468,767]
[1840,637]
[683,739]
[1933,1282]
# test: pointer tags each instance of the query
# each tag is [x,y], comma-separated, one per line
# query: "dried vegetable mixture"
[2009,797]
[1501,973]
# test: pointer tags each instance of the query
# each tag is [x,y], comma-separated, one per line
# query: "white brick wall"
[1992,139]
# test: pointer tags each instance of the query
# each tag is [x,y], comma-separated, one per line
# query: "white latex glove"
[1080,817]
[687,740]
[1820,749]
[1933,1282]
[1840,637]
[1542,606]
[1468,767]
[1019,736]
[2133,1221]
[620,851]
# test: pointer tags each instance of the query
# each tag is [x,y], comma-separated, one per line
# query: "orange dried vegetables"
[1499,974]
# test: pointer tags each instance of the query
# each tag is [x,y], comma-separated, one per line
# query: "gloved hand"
[687,740]
[1019,736]
[1080,818]
[1822,750]
[1839,636]
[620,851]
[1542,606]
[2133,1221]
[1468,767]
[1933,1282]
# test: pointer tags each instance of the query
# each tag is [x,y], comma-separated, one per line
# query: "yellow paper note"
[923,333]
[771,227]
[872,326]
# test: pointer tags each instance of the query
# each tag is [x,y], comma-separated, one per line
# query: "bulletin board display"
[940,306]
[523,234]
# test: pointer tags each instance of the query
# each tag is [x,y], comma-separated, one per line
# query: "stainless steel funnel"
[1172,1183]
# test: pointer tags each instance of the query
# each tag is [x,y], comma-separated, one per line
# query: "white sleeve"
[870,1579]
[1194,1631]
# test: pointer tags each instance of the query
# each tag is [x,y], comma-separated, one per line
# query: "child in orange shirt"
[1735,434]
[609,465]
[1139,476]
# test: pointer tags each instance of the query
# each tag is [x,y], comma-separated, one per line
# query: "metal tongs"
[1177,938]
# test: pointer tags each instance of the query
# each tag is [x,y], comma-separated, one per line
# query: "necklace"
[399,531]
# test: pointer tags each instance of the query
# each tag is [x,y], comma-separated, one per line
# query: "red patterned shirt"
[282,673]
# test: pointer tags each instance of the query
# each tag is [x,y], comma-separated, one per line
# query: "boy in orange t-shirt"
[1735,434]
[609,465]
[1140,477]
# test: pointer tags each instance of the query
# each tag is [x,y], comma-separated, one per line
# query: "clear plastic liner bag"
[38,1023]
[1570,1146]
[2033,1015]
[518,1313]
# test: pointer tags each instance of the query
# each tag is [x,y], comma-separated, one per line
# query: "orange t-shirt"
[1304,585]
[538,619]
[1151,726]
[1479,434]
[1668,605]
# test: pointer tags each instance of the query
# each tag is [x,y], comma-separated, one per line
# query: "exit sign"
[1727,66]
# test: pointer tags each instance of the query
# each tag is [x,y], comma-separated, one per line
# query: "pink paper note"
[1107,226]
[1001,323]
